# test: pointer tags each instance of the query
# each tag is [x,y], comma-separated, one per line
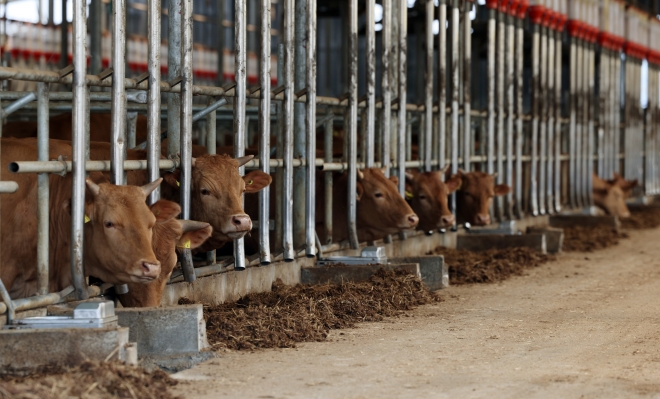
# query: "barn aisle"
[584,326]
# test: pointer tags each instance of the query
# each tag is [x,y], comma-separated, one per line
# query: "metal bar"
[500,87]
[428,88]
[442,81]
[185,145]
[385,88]
[536,94]
[264,129]
[579,133]
[602,115]
[572,123]
[352,119]
[403,81]
[509,71]
[174,72]
[43,194]
[153,112]
[131,128]
[132,96]
[18,104]
[543,118]
[519,70]
[371,82]
[90,166]
[287,207]
[455,86]
[95,15]
[327,146]
[8,187]
[240,73]
[590,76]
[118,105]
[11,311]
[299,135]
[64,36]
[310,188]
[79,144]
[558,120]
[491,82]
[549,120]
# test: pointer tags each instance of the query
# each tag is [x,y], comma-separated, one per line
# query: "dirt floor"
[582,326]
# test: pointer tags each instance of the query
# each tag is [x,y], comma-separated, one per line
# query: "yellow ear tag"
[87,219]
[250,182]
[178,184]
[186,245]
[409,195]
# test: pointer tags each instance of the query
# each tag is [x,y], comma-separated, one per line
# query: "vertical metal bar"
[211,128]
[264,129]
[558,122]
[591,73]
[602,123]
[43,221]
[428,92]
[310,191]
[442,83]
[299,137]
[550,119]
[385,87]
[173,72]
[491,82]
[240,71]
[185,145]
[542,116]
[501,73]
[118,105]
[579,133]
[95,14]
[327,146]
[153,103]
[371,83]
[287,207]
[572,139]
[536,94]
[519,68]
[131,128]
[64,39]
[279,149]
[455,87]
[220,18]
[79,144]
[509,72]
[403,52]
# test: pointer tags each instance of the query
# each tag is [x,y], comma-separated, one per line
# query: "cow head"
[427,195]
[626,186]
[169,234]
[380,208]
[475,196]
[609,197]
[118,233]
[217,194]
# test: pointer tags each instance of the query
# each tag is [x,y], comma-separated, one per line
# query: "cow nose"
[482,219]
[241,222]
[448,220]
[413,220]
[625,214]
[150,268]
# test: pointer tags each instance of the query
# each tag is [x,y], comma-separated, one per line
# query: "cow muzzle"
[239,226]
[447,221]
[482,219]
[146,271]
[411,222]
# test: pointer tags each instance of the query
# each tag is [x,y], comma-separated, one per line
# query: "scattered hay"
[584,239]
[303,313]
[490,266]
[94,380]
[642,218]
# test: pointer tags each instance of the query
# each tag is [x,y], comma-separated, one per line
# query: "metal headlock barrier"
[543,94]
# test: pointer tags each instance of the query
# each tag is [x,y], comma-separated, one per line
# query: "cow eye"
[378,195]
[205,192]
[109,225]
[422,196]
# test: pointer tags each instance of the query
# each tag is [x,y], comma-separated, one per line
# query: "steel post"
[174,72]
[310,189]
[519,70]
[153,105]
[403,52]
[558,119]
[572,123]
[455,92]
[386,124]
[442,82]
[371,83]
[299,134]
[491,82]
[550,120]
[536,98]
[118,103]
[43,195]
[264,130]
[510,111]
[428,88]
[287,206]
[542,117]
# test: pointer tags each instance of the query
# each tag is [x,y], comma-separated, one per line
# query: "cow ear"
[195,236]
[165,210]
[453,184]
[395,180]
[173,178]
[256,181]
[359,190]
[601,191]
[502,189]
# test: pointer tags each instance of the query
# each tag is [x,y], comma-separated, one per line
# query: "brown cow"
[476,194]
[169,234]
[609,197]
[626,186]
[380,209]
[117,237]
[427,195]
